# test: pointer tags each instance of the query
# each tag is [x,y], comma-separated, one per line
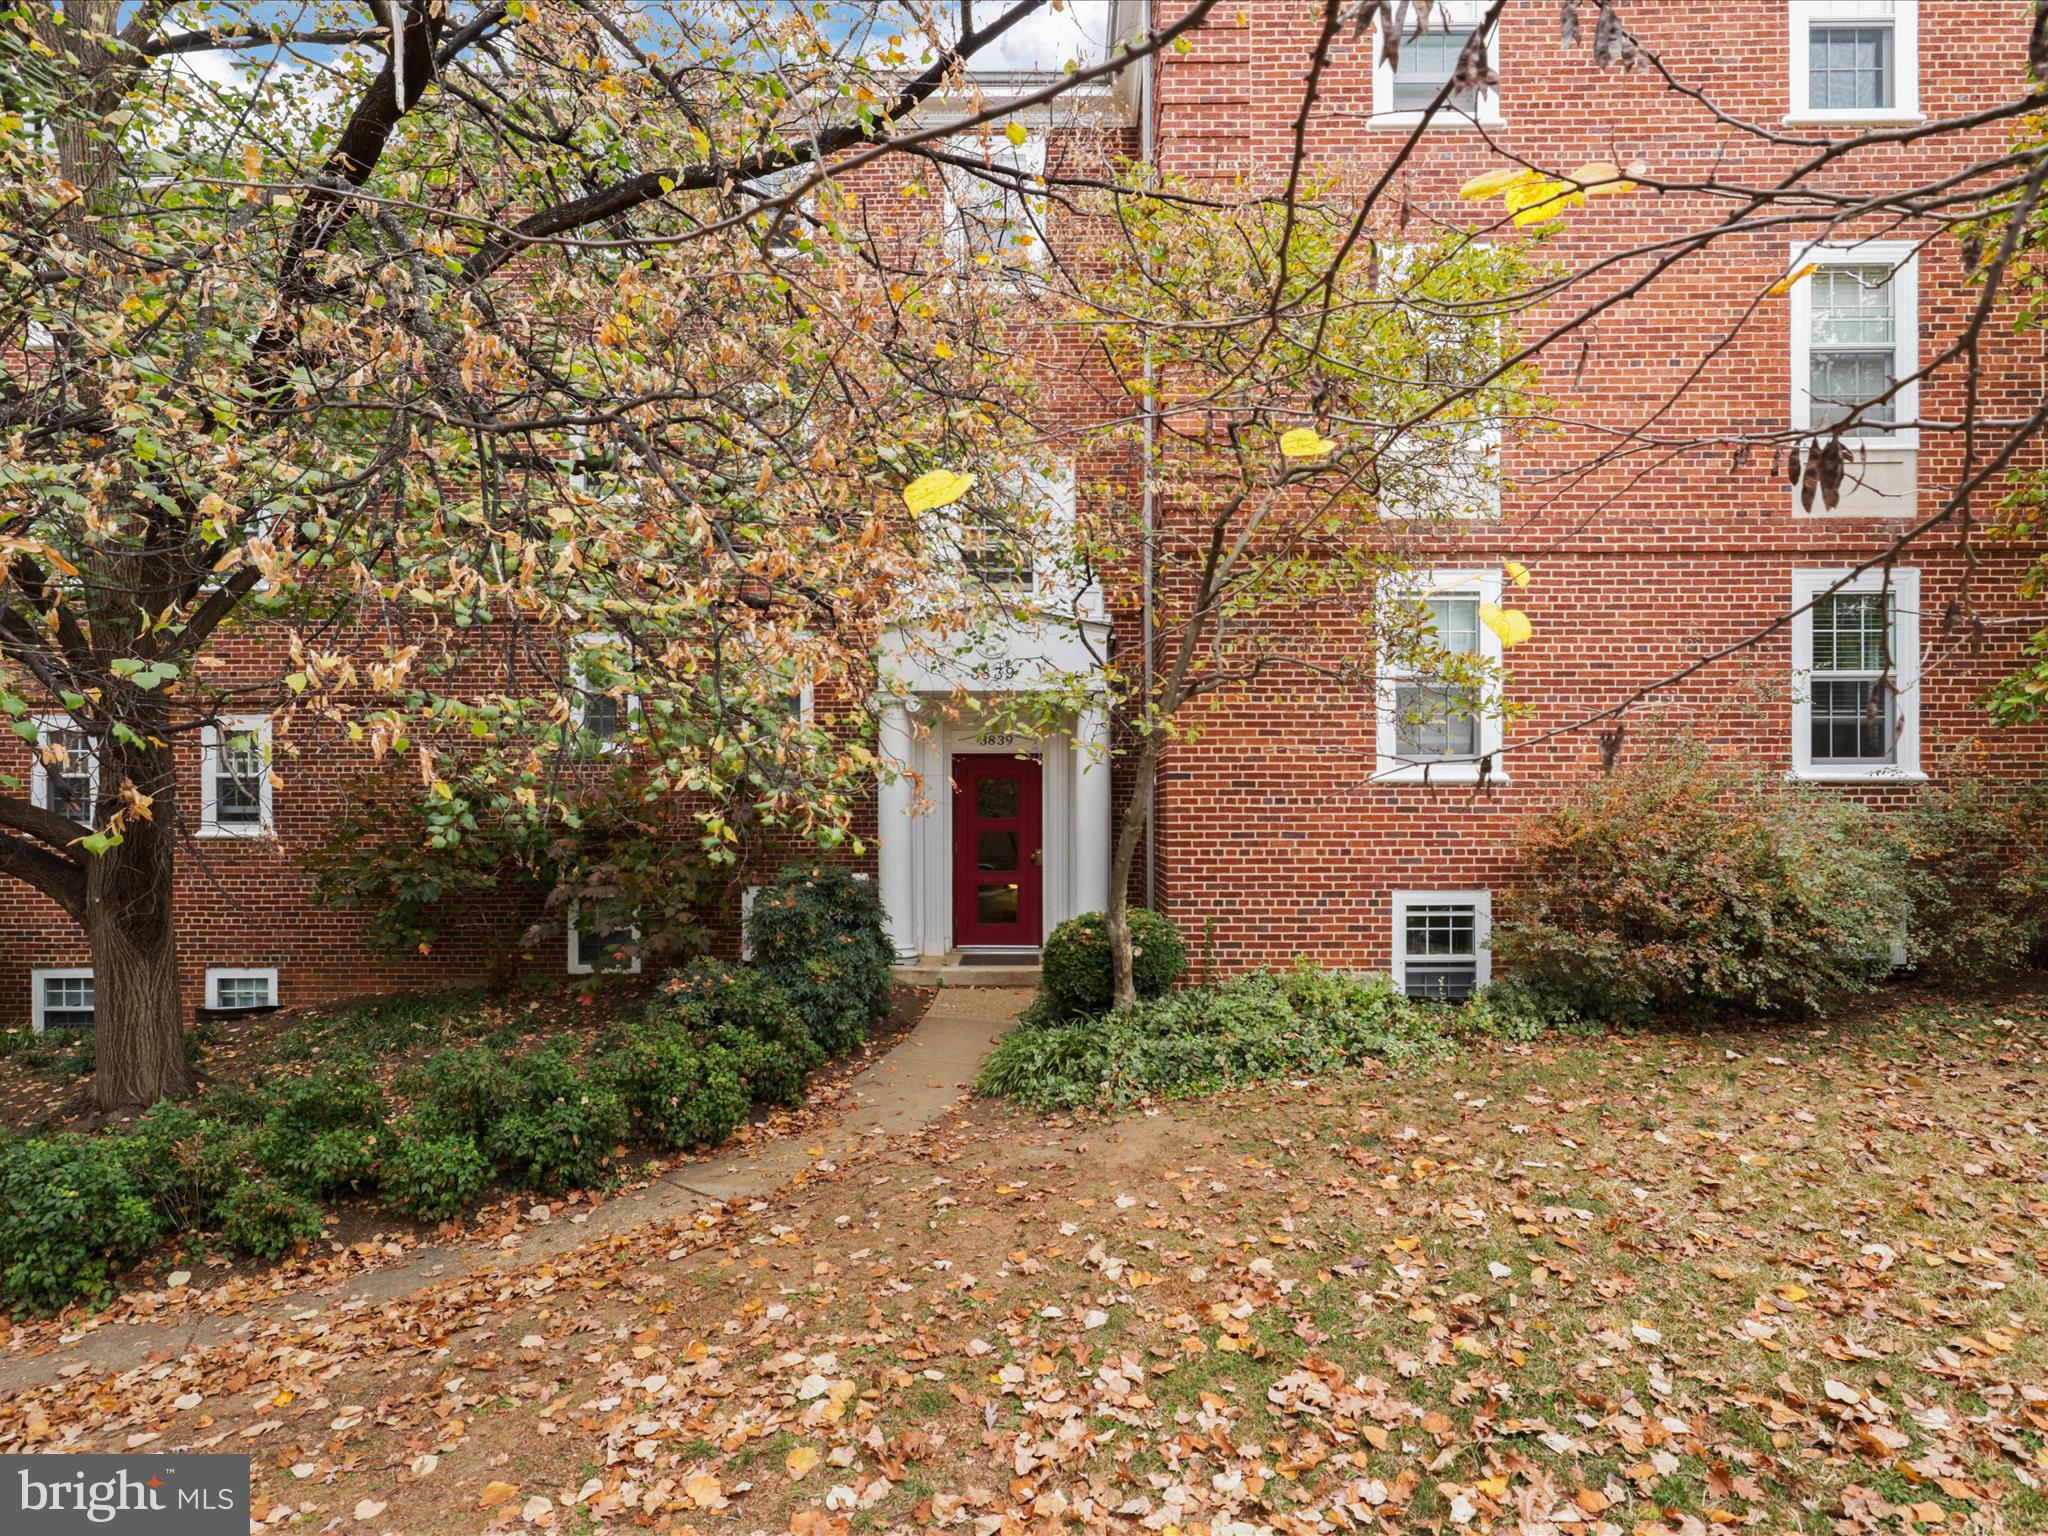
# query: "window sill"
[1895,117]
[1454,121]
[1857,776]
[238,834]
[1450,773]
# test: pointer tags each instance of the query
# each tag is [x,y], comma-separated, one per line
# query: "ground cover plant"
[1625,1284]
[252,1168]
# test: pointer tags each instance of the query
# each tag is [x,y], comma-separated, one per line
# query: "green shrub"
[322,1134]
[771,1069]
[1678,888]
[1976,870]
[715,999]
[1513,1009]
[73,1216]
[818,934]
[185,1163]
[1076,972]
[562,1126]
[681,1094]
[432,1177]
[266,1219]
[1251,1029]
[460,1092]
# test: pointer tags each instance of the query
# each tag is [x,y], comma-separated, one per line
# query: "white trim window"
[602,706]
[1856,676]
[232,989]
[65,777]
[234,778]
[1855,333]
[1440,944]
[996,219]
[602,951]
[1404,87]
[1854,62]
[1433,727]
[749,896]
[61,997]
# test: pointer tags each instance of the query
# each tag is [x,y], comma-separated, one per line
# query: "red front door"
[996,855]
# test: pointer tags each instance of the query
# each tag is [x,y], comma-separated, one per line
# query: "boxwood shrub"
[1076,973]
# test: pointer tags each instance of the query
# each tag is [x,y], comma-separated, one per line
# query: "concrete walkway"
[902,1092]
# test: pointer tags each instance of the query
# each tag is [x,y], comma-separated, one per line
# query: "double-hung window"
[66,775]
[1440,940]
[1855,350]
[1854,62]
[602,944]
[995,214]
[234,778]
[1437,721]
[601,701]
[1856,675]
[61,999]
[1411,69]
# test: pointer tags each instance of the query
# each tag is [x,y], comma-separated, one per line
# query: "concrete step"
[953,971]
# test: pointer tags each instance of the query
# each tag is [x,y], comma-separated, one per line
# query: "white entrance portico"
[987,840]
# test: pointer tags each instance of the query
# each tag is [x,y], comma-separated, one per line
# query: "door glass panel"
[996,904]
[995,798]
[996,850]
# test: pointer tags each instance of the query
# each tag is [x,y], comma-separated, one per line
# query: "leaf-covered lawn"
[1786,1279]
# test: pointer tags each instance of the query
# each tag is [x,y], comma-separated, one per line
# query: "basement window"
[602,947]
[61,999]
[229,990]
[1440,937]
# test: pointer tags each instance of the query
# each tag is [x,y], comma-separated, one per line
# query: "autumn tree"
[506,379]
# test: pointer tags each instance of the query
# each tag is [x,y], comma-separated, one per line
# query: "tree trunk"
[138,1027]
[1116,917]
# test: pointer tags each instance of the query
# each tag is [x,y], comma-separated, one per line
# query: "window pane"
[1852,306]
[600,949]
[1852,721]
[1442,929]
[1454,624]
[67,785]
[243,991]
[1850,67]
[1424,64]
[1849,632]
[1438,981]
[67,1002]
[238,782]
[1434,722]
[601,716]
[1844,380]
[995,798]
[996,904]
[996,850]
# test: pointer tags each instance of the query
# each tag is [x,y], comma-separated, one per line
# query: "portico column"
[1091,810]
[895,800]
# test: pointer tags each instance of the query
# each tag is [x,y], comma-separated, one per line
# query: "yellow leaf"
[1541,200]
[941,350]
[1492,183]
[1511,624]
[1602,178]
[496,1493]
[936,488]
[1015,133]
[1515,572]
[800,1461]
[704,1491]
[1789,281]
[1305,443]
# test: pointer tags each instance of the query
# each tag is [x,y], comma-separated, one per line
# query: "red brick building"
[1308,819]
